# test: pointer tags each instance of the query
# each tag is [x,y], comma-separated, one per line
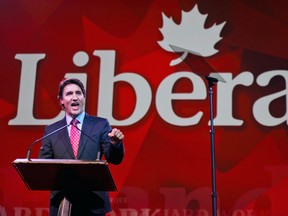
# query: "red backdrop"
[163,110]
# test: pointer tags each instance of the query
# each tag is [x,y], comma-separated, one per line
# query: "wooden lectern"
[66,175]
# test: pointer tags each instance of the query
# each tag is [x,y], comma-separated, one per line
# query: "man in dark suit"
[92,138]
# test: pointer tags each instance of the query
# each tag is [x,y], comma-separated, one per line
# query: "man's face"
[72,100]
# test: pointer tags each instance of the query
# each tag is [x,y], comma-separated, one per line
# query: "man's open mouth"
[75,104]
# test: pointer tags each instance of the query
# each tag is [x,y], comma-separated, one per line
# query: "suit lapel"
[86,130]
[66,140]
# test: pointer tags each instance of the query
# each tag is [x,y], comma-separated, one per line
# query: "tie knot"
[75,122]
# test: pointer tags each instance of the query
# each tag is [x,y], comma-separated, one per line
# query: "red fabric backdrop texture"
[120,48]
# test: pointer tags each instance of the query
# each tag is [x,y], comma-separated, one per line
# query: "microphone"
[47,135]
[98,153]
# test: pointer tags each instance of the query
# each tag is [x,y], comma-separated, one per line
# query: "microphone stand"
[30,148]
[211,82]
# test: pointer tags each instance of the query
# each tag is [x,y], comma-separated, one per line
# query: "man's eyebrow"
[69,92]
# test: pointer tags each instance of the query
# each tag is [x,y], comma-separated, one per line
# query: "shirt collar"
[80,118]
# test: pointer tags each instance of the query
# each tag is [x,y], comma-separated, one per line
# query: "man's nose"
[74,97]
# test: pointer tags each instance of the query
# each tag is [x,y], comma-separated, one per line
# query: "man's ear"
[62,104]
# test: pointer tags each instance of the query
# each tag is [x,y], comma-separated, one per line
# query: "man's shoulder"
[95,118]
[56,124]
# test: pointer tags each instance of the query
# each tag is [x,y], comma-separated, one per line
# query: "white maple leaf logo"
[190,34]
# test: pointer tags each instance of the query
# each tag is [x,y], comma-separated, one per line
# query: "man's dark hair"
[66,82]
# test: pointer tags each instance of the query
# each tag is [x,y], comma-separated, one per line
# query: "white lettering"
[41,211]
[27,88]
[176,198]
[2,211]
[238,212]
[106,90]
[225,98]
[165,96]
[261,110]
[21,211]
[128,212]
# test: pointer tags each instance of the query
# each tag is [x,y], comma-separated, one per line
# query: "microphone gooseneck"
[47,135]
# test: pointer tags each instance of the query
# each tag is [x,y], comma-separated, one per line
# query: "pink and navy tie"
[75,137]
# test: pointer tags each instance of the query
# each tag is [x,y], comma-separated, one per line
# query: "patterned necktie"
[74,137]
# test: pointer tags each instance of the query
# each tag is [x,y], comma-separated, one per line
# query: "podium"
[65,175]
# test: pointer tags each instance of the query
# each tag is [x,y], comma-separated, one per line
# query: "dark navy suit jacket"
[58,146]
